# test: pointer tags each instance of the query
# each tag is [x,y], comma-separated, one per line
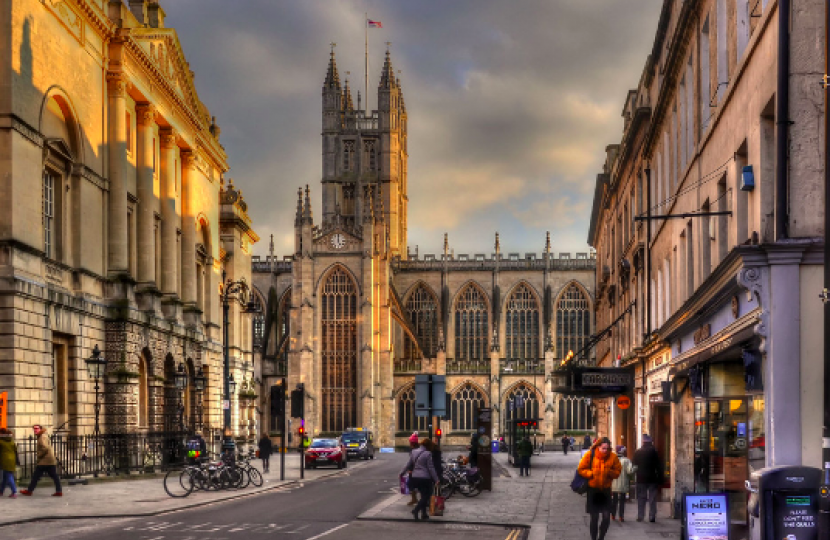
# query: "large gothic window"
[465,403]
[283,329]
[423,313]
[522,329]
[574,413]
[339,340]
[471,327]
[573,321]
[348,156]
[407,421]
[521,402]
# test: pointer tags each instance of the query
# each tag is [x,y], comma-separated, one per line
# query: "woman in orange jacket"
[601,467]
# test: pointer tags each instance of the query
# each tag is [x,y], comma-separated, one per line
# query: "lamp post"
[181,383]
[199,382]
[230,288]
[97,367]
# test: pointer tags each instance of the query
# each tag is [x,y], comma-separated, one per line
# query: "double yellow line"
[514,534]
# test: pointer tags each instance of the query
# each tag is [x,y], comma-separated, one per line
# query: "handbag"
[404,485]
[436,505]
[580,484]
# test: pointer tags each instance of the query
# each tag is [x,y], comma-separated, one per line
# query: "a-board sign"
[706,516]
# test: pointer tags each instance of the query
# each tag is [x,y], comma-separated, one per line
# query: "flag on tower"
[373,24]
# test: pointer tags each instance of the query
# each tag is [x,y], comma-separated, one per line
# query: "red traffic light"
[438,432]
[301,431]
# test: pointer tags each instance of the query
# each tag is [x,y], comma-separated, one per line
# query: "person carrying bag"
[422,477]
[600,467]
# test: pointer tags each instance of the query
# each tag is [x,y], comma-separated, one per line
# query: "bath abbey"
[354,314]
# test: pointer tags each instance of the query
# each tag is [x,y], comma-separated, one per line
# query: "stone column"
[145,222]
[118,261]
[169,219]
[188,269]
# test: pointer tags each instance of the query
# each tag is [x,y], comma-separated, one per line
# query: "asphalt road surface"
[324,508]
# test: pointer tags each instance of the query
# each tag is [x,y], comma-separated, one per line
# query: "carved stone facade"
[354,315]
[116,223]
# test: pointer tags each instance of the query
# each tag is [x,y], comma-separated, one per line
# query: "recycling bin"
[784,503]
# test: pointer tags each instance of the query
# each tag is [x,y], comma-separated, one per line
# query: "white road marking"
[328,532]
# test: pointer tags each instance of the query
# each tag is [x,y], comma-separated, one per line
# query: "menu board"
[707,516]
[794,516]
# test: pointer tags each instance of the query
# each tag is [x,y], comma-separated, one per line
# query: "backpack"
[580,484]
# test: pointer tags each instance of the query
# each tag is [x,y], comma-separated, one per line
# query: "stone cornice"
[14,123]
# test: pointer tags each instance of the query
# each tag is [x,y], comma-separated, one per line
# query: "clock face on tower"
[338,241]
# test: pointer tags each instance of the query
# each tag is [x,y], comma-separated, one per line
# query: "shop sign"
[706,516]
[593,381]
[623,402]
[655,398]
[725,343]
[607,379]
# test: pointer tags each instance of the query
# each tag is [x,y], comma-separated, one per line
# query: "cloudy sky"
[510,103]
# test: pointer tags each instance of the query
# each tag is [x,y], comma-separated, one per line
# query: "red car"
[326,452]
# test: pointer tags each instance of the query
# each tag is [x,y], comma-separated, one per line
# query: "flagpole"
[366,65]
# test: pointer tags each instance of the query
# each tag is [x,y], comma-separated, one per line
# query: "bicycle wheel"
[446,488]
[178,483]
[255,477]
[470,489]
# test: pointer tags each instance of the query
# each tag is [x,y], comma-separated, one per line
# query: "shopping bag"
[436,505]
[404,486]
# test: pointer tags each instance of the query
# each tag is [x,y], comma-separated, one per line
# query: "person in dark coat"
[524,450]
[649,478]
[473,457]
[266,448]
[423,475]
[566,443]
[587,442]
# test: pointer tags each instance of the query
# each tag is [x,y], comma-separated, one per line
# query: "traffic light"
[278,399]
[301,432]
[298,402]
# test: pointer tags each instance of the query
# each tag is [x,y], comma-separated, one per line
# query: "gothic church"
[354,315]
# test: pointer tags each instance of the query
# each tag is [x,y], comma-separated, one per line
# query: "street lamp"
[199,382]
[180,379]
[230,288]
[231,385]
[97,367]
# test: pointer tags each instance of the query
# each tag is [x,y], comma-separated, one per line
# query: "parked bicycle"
[213,474]
[458,477]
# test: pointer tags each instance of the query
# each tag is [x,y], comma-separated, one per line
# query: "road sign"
[623,402]
[226,405]
[4,409]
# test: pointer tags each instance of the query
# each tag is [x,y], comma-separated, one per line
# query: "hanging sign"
[4,409]
[623,402]
[706,516]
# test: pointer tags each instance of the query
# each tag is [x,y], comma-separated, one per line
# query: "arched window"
[407,421]
[339,341]
[573,321]
[471,326]
[348,156]
[466,401]
[257,323]
[143,390]
[521,402]
[283,329]
[522,329]
[423,312]
[574,413]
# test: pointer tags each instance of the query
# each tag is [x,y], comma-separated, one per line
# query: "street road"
[324,508]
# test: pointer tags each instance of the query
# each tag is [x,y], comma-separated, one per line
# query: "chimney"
[139,9]
[155,14]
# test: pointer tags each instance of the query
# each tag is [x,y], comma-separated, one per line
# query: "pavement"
[543,502]
[137,495]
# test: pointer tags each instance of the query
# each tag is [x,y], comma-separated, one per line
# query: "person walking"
[46,463]
[649,477]
[266,448]
[601,467]
[586,442]
[620,486]
[524,450]
[422,476]
[413,445]
[8,462]
[566,443]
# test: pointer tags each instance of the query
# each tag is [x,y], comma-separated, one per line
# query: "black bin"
[784,503]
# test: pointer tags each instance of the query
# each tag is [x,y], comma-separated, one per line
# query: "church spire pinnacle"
[348,106]
[332,77]
[547,243]
[387,76]
[498,246]
[307,218]
[298,218]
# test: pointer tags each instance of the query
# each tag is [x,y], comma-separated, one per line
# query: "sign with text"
[794,515]
[623,402]
[707,516]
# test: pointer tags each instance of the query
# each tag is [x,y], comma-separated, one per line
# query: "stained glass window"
[423,313]
[465,403]
[522,328]
[407,421]
[573,321]
[471,328]
[339,346]
[521,402]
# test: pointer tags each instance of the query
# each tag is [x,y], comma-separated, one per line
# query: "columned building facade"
[354,315]
[116,223]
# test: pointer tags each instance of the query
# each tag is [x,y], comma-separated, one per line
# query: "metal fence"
[108,454]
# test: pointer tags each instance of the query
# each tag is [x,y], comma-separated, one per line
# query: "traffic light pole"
[284,433]
[302,447]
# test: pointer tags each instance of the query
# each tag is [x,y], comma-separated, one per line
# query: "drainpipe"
[782,119]
[824,500]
